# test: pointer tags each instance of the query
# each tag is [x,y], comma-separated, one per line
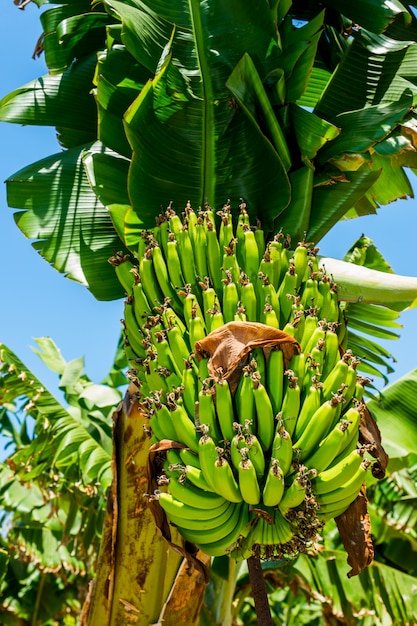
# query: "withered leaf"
[229,346]
[186,597]
[370,435]
[355,532]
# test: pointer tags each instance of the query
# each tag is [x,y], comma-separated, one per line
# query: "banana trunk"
[137,570]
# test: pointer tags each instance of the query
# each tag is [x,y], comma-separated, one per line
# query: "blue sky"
[37,301]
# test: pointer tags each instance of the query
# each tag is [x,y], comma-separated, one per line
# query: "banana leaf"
[394,411]
[73,440]
[379,595]
[80,238]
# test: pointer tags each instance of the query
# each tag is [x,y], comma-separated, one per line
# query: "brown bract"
[370,436]
[355,532]
[228,348]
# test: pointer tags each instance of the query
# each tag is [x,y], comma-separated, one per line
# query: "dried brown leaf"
[370,436]
[355,532]
[186,598]
[228,347]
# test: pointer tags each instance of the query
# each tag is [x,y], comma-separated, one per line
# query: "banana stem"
[360,284]
[260,596]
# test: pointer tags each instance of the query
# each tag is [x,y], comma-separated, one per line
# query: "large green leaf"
[57,56]
[119,79]
[216,149]
[373,71]
[395,412]
[371,14]
[79,238]
[380,595]
[333,200]
[45,101]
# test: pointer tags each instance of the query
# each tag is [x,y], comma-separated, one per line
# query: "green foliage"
[53,484]
[158,103]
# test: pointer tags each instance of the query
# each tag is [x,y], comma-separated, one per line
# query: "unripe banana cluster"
[260,470]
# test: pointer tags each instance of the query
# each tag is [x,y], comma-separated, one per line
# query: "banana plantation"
[244,461]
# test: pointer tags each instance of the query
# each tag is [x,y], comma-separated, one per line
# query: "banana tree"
[194,104]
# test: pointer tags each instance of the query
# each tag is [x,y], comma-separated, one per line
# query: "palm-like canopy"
[303,109]
[306,111]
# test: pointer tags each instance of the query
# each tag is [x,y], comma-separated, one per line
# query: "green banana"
[214,318]
[190,387]
[183,424]
[149,280]
[209,298]
[274,248]
[291,402]
[224,408]
[229,261]
[281,529]
[197,328]
[229,542]
[213,256]
[294,495]
[323,301]
[188,457]
[311,403]
[132,331]
[255,454]
[193,496]
[282,448]
[339,474]
[269,317]
[165,356]
[207,413]
[224,480]
[288,287]
[260,239]
[208,455]
[275,378]
[332,353]
[186,254]
[180,350]
[230,297]
[337,377]
[162,274]
[200,523]
[250,253]
[265,418]
[319,425]
[140,304]
[175,507]
[319,334]
[310,325]
[349,488]
[300,258]
[274,485]
[248,298]
[248,481]
[269,267]
[125,271]
[163,418]
[310,292]
[244,399]
[330,446]
[200,249]
[237,444]
[266,295]
[226,227]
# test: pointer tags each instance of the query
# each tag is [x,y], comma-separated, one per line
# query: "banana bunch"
[260,470]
